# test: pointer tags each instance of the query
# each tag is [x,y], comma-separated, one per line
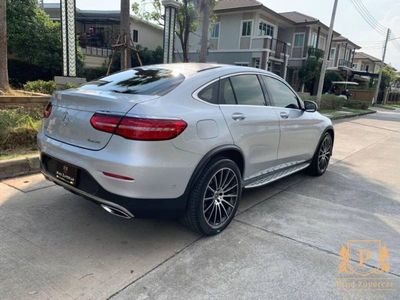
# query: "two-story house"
[309,37]
[246,33]
[366,63]
[98,30]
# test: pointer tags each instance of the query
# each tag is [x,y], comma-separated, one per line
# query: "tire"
[322,155]
[214,198]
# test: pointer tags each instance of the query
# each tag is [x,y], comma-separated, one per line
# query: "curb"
[19,166]
[352,115]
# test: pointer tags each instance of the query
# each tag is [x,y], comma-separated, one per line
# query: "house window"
[135,36]
[322,42]
[265,29]
[332,54]
[313,40]
[215,31]
[246,28]
[298,40]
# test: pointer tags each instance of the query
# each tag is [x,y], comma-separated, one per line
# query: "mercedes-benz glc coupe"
[180,140]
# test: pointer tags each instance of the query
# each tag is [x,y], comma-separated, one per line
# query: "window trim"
[294,39]
[258,74]
[274,27]
[219,30]
[241,28]
[133,35]
[299,101]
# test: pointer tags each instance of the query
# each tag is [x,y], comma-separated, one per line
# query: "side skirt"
[274,175]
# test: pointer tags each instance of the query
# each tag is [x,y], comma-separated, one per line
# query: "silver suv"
[180,140]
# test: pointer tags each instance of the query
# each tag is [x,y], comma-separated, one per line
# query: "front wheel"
[214,198]
[322,156]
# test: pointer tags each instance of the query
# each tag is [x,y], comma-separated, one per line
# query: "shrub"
[356,104]
[40,86]
[18,128]
[331,102]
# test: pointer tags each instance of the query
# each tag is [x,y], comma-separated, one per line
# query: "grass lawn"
[344,111]
[18,129]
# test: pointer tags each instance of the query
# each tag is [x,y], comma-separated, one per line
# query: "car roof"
[193,69]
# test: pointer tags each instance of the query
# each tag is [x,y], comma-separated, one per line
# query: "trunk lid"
[69,121]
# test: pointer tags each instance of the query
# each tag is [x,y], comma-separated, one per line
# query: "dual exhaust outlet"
[117,211]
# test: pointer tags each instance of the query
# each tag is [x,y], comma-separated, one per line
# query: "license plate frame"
[66,173]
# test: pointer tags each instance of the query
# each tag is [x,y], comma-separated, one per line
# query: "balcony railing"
[97,51]
[345,63]
[278,48]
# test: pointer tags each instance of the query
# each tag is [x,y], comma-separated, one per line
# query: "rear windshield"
[142,81]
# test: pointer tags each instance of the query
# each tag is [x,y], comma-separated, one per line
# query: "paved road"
[284,243]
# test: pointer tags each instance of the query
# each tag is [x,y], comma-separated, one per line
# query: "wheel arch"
[232,152]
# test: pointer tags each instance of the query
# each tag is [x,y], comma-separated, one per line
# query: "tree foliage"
[388,77]
[309,72]
[186,19]
[35,39]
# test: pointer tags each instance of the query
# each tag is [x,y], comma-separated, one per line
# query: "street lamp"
[68,9]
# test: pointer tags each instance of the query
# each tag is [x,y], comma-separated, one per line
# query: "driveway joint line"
[307,244]
[377,127]
[155,267]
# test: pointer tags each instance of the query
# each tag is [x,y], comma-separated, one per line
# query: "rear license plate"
[66,173]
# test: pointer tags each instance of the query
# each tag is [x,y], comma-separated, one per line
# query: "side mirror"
[310,106]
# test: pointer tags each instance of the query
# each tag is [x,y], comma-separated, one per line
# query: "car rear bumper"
[90,189]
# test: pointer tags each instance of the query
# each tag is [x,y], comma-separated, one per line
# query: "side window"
[227,94]
[210,93]
[247,90]
[281,95]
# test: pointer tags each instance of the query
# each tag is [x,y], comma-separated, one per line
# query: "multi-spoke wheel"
[220,197]
[322,156]
[214,199]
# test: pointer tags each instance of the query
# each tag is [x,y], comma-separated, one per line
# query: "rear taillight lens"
[47,110]
[139,128]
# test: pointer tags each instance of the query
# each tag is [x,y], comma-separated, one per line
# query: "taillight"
[139,128]
[47,110]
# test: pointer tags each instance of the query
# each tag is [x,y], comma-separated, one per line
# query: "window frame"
[267,98]
[212,31]
[242,27]
[258,33]
[294,39]
[271,98]
[137,36]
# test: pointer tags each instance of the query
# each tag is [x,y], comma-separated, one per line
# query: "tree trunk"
[205,10]
[125,35]
[4,85]
[186,32]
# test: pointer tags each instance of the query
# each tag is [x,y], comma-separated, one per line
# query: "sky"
[348,21]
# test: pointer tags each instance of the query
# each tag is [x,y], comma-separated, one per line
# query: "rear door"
[299,129]
[253,125]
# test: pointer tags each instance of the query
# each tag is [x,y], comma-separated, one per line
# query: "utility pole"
[125,35]
[326,54]
[375,100]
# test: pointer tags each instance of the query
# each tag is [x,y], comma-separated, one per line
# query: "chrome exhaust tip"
[117,211]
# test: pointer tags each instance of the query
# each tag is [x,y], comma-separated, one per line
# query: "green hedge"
[45,87]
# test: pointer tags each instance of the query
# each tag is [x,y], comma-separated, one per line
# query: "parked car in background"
[181,140]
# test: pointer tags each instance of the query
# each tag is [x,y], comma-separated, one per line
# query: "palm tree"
[4,85]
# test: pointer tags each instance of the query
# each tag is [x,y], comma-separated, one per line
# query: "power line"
[370,16]
[366,15]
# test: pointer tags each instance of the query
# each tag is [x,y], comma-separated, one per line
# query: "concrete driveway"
[285,241]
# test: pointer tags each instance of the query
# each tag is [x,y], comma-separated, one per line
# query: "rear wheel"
[322,156]
[214,198]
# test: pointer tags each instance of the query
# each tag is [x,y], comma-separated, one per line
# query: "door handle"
[284,115]
[238,116]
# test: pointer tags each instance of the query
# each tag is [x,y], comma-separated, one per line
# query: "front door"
[300,131]
[253,125]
